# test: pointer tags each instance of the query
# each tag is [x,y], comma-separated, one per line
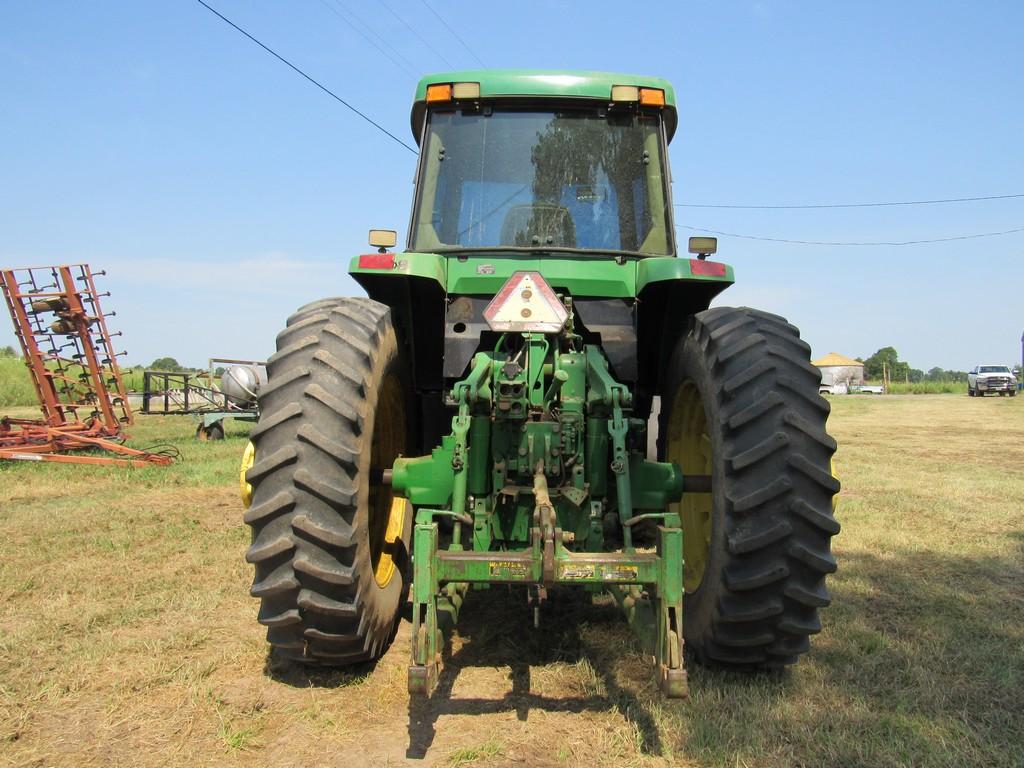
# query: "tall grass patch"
[15,384]
[927,388]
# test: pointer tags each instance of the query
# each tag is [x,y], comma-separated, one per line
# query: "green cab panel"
[582,276]
[546,83]
[543,84]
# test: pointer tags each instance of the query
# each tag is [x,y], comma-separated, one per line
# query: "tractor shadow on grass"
[299,675]
[495,629]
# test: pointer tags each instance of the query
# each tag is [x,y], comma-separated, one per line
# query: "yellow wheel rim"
[835,496]
[248,459]
[387,512]
[689,447]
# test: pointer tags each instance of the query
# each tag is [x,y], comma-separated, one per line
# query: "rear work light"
[625,93]
[526,304]
[466,91]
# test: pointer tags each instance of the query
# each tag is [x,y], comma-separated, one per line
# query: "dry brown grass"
[127,637]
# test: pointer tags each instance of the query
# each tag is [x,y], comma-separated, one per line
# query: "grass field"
[127,636]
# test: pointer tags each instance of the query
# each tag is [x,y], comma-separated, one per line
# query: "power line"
[322,87]
[854,205]
[365,37]
[454,33]
[419,37]
[397,140]
[820,242]
[392,55]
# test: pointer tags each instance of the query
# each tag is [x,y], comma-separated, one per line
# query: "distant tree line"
[885,363]
[171,365]
[168,364]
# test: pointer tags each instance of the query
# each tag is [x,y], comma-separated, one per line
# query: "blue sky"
[220,190]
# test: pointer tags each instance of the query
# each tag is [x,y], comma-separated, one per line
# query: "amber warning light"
[526,304]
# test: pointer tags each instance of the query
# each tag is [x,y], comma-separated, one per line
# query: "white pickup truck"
[867,389]
[991,378]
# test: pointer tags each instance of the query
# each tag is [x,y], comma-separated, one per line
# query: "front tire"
[329,542]
[741,403]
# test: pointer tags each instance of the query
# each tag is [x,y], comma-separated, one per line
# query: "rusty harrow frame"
[73,366]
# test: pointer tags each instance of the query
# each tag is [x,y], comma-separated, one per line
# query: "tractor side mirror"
[703,246]
[382,239]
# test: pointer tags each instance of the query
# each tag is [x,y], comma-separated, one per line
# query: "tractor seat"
[538,224]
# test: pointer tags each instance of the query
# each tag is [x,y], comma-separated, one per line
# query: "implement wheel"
[329,542]
[741,403]
[213,432]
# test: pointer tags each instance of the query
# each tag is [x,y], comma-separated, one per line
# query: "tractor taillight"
[526,304]
[377,261]
[652,97]
[707,268]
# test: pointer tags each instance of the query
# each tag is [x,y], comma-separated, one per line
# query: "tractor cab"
[577,174]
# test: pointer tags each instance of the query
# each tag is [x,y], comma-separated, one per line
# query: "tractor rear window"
[560,180]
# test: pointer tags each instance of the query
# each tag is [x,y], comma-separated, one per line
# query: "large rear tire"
[329,541]
[740,402]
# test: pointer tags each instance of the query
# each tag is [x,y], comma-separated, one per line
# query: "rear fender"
[413,287]
[669,291]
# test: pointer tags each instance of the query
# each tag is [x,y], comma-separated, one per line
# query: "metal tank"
[241,383]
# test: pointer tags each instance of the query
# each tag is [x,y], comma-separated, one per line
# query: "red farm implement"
[73,366]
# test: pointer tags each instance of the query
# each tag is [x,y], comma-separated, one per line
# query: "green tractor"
[536,393]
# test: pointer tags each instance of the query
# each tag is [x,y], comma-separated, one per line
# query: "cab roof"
[544,83]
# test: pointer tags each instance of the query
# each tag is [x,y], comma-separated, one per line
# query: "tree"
[886,358]
[8,351]
[166,364]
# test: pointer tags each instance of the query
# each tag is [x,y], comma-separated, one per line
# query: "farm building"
[840,371]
